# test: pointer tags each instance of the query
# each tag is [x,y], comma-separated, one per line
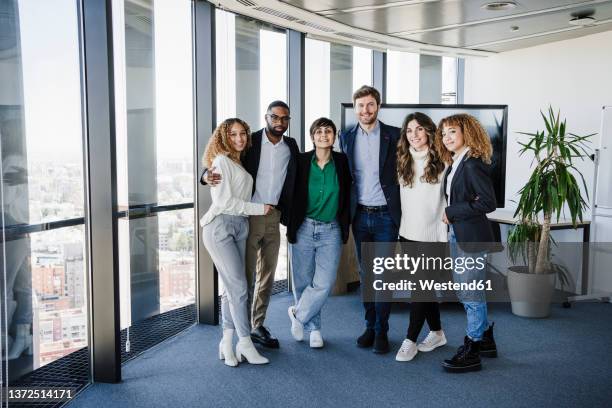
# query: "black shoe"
[488,348]
[381,344]
[366,339]
[466,359]
[262,336]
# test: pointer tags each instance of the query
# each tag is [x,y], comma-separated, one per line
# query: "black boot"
[366,339]
[488,348]
[466,359]
[381,344]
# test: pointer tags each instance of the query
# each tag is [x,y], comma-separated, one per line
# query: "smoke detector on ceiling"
[499,5]
[583,21]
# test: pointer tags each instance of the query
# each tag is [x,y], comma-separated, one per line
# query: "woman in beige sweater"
[420,173]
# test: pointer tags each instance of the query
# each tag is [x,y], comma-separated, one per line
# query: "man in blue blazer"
[371,148]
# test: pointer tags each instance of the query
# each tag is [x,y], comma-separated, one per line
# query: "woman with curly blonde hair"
[225,228]
[419,171]
[464,143]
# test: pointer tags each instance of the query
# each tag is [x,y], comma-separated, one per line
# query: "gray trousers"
[225,239]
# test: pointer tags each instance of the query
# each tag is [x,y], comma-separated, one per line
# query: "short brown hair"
[322,122]
[366,90]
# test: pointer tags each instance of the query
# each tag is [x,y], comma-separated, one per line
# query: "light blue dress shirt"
[367,177]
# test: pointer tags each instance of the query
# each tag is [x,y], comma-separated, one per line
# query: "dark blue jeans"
[374,227]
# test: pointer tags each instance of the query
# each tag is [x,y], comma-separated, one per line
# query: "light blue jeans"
[314,264]
[474,301]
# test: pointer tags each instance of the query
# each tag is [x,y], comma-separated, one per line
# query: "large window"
[449,80]
[155,133]
[251,72]
[44,297]
[333,73]
[402,77]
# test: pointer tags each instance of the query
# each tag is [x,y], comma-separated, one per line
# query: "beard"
[367,120]
[274,132]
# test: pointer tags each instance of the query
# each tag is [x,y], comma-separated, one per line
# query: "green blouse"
[323,191]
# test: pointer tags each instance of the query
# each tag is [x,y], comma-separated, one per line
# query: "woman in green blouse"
[317,228]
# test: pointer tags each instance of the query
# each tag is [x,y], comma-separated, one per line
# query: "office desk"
[507,217]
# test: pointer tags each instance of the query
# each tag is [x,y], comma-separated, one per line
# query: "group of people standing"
[420,183]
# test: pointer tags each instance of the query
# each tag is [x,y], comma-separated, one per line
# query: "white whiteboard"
[604,173]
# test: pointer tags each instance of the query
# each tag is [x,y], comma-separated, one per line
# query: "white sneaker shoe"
[245,349]
[297,329]
[407,351]
[316,340]
[432,341]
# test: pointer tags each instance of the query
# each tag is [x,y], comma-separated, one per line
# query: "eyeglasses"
[279,119]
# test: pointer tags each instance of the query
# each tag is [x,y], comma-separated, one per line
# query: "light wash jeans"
[474,301]
[225,239]
[314,264]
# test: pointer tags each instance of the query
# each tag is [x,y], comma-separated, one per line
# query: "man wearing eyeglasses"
[271,161]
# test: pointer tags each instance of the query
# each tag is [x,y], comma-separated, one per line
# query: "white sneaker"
[316,340]
[432,341]
[407,351]
[297,329]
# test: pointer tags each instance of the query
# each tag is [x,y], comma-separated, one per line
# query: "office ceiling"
[467,24]
[435,27]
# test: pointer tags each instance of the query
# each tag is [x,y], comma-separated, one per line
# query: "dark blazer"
[387,167]
[250,161]
[300,197]
[472,197]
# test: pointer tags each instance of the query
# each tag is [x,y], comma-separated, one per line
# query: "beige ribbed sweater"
[422,206]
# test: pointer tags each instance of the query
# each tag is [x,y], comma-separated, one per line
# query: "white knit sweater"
[422,205]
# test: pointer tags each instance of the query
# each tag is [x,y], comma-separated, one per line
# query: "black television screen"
[494,119]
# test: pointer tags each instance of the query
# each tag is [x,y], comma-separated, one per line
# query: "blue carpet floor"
[562,361]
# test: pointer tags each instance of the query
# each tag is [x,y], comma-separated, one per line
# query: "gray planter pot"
[530,294]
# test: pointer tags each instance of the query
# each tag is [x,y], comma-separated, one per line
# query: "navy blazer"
[387,167]
[300,198]
[472,197]
[250,161]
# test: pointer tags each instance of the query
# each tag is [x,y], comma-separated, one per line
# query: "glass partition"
[155,134]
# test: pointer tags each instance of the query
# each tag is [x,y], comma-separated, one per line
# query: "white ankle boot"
[245,348]
[21,343]
[226,348]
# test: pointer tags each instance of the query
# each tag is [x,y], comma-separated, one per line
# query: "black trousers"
[421,312]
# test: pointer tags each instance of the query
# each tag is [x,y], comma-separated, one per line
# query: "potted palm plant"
[552,189]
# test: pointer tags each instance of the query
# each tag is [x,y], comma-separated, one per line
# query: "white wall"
[574,76]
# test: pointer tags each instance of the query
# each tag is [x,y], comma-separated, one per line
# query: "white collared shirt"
[272,170]
[456,161]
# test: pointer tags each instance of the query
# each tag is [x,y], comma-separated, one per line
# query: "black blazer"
[250,161]
[472,197]
[300,197]
[389,136]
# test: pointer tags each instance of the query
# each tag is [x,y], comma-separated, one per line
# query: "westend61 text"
[475,285]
